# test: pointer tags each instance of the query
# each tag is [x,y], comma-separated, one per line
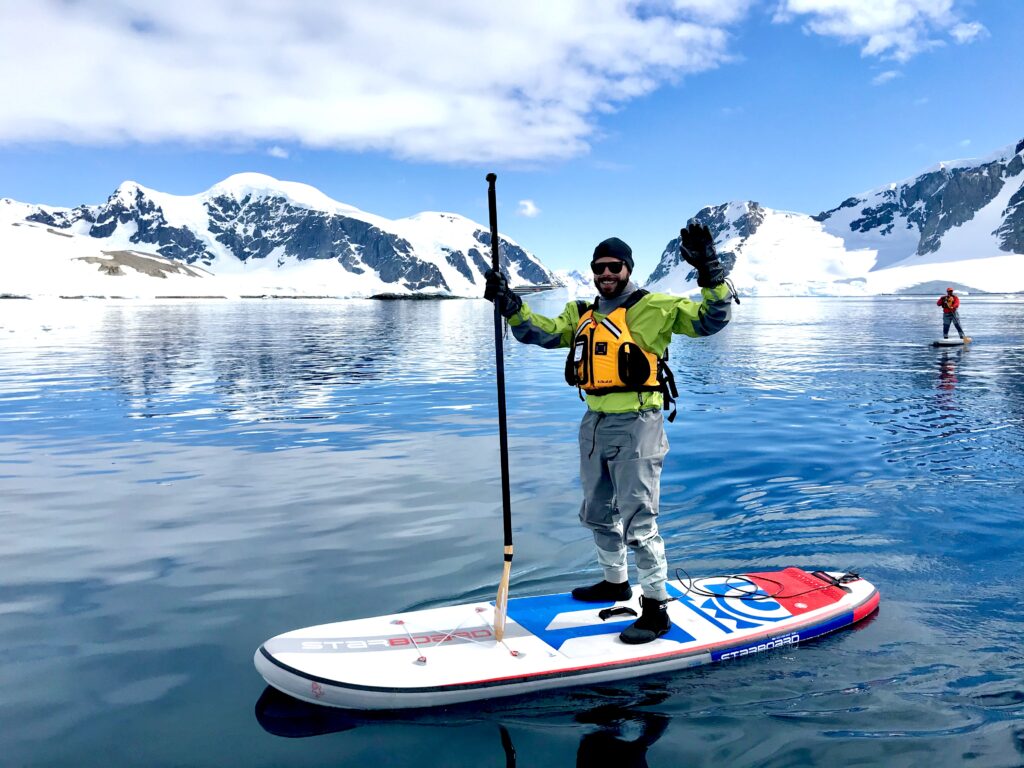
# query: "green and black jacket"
[652,321]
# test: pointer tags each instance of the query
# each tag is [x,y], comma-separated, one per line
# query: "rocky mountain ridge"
[949,223]
[251,221]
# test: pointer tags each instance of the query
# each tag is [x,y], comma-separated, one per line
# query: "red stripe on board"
[866,608]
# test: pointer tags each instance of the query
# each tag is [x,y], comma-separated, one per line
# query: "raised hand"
[697,247]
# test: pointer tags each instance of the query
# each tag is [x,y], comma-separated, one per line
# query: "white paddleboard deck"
[950,342]
[448,655]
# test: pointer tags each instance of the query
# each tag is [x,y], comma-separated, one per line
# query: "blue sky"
[610,117]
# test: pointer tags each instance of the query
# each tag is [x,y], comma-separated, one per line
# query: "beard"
[609,289]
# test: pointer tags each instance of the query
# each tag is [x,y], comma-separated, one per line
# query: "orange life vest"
[605,358]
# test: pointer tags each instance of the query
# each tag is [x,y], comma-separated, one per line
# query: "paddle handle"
[501,601]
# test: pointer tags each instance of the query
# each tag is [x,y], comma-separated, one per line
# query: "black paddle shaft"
[499,359]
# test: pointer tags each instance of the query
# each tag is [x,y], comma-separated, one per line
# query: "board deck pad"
[448,655]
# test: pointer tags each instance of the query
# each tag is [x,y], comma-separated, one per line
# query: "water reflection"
[612,735]
[947,371]
[945,418]
[245,361]
[621,739]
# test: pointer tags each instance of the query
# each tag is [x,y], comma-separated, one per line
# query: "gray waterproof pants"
[954,318]
[621,455]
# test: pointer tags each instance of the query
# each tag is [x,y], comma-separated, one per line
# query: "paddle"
[501,601]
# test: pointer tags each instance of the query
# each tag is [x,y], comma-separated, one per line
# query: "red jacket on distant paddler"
[949,302]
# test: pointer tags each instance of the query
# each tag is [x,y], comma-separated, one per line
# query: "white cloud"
[456,81]
[893,29]
[886,77]
[528,208]
[966,33]
[279,152]
[965,143]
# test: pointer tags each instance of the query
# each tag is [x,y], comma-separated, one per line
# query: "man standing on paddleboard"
[618,351]
[950,303]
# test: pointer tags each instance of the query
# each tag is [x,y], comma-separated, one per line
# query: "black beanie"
[615,249]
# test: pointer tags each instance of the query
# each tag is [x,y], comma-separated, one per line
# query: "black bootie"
[652,624]
[603,592]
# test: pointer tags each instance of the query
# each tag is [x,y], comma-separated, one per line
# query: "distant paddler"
[950,303]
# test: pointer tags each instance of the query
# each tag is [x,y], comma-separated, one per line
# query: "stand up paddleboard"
[447,655]
[951,342]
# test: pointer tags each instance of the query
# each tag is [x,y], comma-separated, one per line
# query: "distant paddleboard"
[447,655]
[951,342]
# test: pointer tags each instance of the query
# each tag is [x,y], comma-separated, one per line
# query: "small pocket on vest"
[634,368]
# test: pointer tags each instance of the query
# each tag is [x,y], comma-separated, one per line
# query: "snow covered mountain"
[958,223]
[576,284]
[249,234]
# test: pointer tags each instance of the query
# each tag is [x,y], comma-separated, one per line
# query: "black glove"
[697,248]
[498,292]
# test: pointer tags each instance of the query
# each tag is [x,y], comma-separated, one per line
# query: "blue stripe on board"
[686,600]
[536,613]
[792,637]
[743,620]
[722,610]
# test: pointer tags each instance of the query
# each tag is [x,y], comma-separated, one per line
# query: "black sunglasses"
[615,267]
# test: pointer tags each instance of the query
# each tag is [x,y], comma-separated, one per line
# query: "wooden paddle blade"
[501,602]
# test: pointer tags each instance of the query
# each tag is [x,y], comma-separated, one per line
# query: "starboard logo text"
[382,643]
[777,642]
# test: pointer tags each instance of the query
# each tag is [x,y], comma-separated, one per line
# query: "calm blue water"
[180,481]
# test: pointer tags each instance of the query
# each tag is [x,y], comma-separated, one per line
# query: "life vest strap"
[617,390]
[669,393]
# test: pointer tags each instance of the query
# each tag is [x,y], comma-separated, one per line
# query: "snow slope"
[959,222]
[247,235]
